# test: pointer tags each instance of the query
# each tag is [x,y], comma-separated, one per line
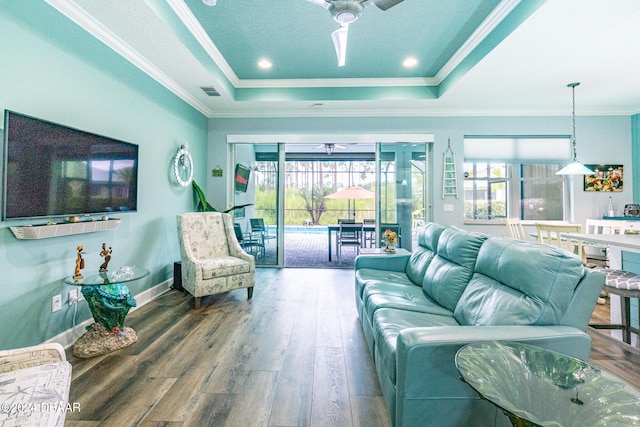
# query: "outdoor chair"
[346,221]
[369,235]
[248,243]
[258,229]
[348,235]
[213,261]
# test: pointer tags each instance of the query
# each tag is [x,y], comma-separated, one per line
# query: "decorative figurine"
[106,253]
[79,263]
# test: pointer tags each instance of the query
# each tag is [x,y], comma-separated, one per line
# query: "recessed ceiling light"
[410,62]
[265,64]
[209,2]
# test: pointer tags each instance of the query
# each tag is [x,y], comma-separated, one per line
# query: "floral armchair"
[212,260]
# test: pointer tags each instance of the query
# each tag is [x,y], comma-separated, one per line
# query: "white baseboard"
[68,337]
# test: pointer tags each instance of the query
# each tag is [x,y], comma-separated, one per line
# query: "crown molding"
[486,27]
[306,83]
[192,24]
[408,112]
[83,19]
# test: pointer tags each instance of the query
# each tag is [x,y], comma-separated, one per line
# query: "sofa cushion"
[366,275]
[387,324]
[428,237]
[452,268]
[224,266]
[391,295]
[519,283]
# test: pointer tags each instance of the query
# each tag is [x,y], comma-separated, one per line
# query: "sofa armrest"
[389,262]
[425,357]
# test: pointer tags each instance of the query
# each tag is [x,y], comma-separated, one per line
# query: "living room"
[54,70]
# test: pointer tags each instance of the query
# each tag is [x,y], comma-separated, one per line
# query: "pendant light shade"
[575,167]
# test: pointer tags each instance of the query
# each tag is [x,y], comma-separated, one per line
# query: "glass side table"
[539,387]
[109,300]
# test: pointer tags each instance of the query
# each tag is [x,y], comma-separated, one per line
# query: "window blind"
[513,149]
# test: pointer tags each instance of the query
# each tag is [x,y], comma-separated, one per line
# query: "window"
[508,176]
[500,190]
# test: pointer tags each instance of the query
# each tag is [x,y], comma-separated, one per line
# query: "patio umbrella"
[352,193]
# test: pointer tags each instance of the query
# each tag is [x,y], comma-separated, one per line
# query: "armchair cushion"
[224,266]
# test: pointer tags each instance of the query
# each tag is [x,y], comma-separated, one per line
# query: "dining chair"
[552,234]
[349,235]
[514,228]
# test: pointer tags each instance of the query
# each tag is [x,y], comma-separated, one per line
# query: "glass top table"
[109,300]
[539,387]
[103,278]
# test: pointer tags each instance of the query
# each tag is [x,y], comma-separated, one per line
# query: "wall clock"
[183,166]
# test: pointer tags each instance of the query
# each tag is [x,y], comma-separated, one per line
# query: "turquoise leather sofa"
[459,287]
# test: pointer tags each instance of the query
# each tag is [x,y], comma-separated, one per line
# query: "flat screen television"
[242,178]
[51,170]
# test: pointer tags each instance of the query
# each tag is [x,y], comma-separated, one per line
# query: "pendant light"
[575,167]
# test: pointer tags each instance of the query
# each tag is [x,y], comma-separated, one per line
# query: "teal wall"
[54,70]
[602,139]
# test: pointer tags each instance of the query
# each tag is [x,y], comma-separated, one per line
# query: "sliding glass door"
[403,186]
[258,222]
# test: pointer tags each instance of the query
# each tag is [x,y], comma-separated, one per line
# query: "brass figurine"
[106,254]
[79,263]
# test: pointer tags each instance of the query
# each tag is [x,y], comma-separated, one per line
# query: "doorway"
[290,182]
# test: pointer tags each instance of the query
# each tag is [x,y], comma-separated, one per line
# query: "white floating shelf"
[66,229]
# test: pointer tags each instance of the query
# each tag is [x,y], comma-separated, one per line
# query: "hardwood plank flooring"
[294,355]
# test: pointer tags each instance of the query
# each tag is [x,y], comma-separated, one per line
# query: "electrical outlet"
[73,297]
[56,303]
[448,207]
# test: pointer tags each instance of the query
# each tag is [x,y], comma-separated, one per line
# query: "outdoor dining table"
[333,230]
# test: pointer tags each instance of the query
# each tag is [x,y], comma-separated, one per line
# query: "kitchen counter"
[631,241]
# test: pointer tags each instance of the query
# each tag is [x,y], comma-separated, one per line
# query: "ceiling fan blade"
[339,37]
[322,3]
[385,4]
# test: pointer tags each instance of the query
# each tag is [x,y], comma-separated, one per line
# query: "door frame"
[314,138]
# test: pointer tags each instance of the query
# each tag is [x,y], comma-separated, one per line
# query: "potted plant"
[204,206]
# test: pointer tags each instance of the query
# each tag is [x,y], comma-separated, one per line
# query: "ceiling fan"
[328,148]
[346,12]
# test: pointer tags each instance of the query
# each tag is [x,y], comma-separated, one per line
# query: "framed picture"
[605,178]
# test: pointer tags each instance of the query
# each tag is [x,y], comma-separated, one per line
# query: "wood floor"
[294,355]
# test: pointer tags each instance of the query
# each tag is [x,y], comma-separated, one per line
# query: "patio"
[306,247]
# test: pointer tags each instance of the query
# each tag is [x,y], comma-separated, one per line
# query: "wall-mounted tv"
[242,178]
[51,170]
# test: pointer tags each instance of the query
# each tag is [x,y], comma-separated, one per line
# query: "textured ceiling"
[295,35]
[475,57]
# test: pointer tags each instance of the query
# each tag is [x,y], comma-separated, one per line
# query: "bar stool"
[626,285]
